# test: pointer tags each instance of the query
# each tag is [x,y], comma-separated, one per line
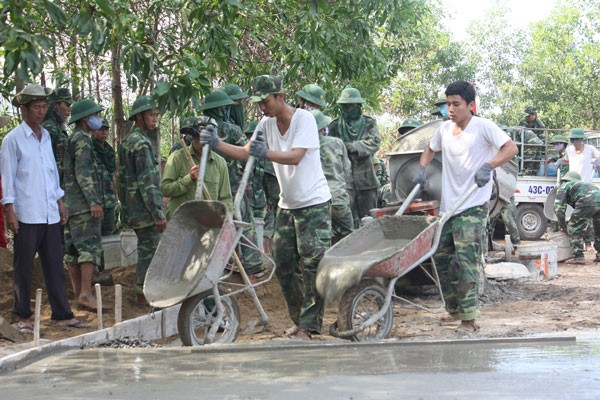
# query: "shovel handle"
[200,190]
[184,146]
[239,195]
[413,193]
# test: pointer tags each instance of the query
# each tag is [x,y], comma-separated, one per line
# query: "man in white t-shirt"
[289,137]
[468,144]
[581,157]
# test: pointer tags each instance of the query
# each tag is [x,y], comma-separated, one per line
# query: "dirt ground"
[569,303]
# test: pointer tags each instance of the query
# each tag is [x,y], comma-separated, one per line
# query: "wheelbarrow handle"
[449,213]
[411,196]
[239,195]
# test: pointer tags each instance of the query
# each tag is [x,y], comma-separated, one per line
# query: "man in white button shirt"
[32,198]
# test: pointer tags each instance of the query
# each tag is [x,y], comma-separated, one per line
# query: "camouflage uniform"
[532,150]
[271,189]
[336,167]
[55,124]
[105,155]
[460,242]
[507,213]
[302,235]
[83,189]
[584,197]
[363,196]
[141,199]
[380,171]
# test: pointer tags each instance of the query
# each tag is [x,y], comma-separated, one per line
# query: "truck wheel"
[531,221]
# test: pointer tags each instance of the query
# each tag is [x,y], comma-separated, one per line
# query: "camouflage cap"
[263,86]
[31,93]
[215,99]
[577,133]
[571,176]
[313,93]
[530,109]
[234,91]
[61,95]
[558,139]
[192,125]
[322,119]
[105,123]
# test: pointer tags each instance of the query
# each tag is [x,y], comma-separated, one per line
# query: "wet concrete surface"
[522,369]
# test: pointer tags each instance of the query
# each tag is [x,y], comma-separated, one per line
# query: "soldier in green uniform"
[530,149]
[380,170]
[440,109]
[179,179]
[84,199]
[530,120]
[60,108]
[336,167]
[361,137]
[105,154]
[312,97]
[408,125]
[584,197]
[215,106]
[139,188]
[255,192]
[559,144]
[235,112]
[272,190]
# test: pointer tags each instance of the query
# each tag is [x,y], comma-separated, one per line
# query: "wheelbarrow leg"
[264,319]
[214,328]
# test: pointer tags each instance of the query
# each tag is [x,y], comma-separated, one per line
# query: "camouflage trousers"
[342,223]
[83,242]
[301,238]
[579,226]
[361,202]
[507,213]
[251,256]
[458,259]
[108,223]
[148,239]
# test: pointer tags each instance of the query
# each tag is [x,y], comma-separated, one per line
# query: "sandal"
[25,328]
[576,261]
[302,334]
[291,331]
[73,323]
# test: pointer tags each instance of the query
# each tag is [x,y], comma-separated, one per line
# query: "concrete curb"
[158,325]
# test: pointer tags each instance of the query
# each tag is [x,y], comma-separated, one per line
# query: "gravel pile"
[128,343]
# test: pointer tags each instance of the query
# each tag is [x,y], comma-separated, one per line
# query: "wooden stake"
[118,303]
[36,324]
[99,304]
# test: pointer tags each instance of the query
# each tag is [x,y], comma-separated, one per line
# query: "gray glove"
[559,163]
[209,136]
[483,175]
[421,177]
[258,147]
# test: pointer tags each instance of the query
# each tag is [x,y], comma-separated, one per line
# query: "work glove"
[596,163]
[420,177]
[351,147]
[559,163]
[209,136]
[483,175]
[258,147]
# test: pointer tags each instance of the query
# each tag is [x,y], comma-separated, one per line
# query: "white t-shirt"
[462,156]
[582,162]
[304,184]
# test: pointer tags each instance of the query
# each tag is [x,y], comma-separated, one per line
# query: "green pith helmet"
[234,91]
[186,123]
[193,125]
[217,98]
[558,139]
[577,133]
[571,176]
[83,108]
[251,127]
[141,104]
[530,109]
[440,101]
[61,95]
[411,123]
[313,93]
[322,119]
[350,96]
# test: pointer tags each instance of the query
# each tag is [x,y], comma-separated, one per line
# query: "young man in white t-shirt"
[468,144]
[581,157]
[289,137]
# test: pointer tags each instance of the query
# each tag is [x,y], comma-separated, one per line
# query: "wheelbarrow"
[355,269]
[189,262]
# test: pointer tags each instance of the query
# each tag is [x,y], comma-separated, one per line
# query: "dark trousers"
[44,239]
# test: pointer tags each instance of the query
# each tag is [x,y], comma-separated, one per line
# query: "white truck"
[532,191]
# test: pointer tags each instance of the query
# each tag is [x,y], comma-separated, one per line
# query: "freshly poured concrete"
[300,370]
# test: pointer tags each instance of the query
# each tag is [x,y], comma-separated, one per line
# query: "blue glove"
[421,177]
[483,175]
[596,163]
[559,163]
[258,147]
[209,136]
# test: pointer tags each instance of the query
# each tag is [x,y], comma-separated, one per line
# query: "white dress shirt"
[30,176]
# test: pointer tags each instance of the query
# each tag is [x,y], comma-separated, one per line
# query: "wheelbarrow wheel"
[358,304]
[197,314]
